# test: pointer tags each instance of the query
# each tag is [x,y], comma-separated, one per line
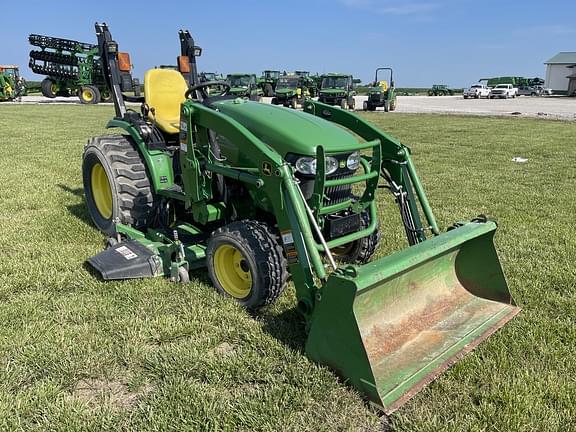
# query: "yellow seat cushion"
[164,90]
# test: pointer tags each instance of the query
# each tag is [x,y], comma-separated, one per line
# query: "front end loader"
[256,194]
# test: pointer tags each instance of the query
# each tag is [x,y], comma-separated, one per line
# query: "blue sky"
[426,41]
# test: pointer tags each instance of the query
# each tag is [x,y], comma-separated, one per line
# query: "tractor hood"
[238,90]
[287,130]
[285,92]
[333,91]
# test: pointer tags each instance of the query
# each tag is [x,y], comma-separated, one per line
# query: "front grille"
[337,194]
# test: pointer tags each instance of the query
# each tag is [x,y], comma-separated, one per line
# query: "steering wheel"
[204,85]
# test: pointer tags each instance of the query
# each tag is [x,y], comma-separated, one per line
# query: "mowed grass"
[80,354]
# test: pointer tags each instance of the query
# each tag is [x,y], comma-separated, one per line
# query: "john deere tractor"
[291,91]
[337,89]
[440,90]
[267,82]
[12,85]
[243,85]
[257,194]
[381,93]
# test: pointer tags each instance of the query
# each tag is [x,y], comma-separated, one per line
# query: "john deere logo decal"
[266,168]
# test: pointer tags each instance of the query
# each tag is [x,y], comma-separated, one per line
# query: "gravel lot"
[542,107]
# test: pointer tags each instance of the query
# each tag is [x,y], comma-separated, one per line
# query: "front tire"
[359,251]
[116,184]
[246,262]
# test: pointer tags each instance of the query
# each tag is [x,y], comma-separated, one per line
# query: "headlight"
[353,161]
[307,165]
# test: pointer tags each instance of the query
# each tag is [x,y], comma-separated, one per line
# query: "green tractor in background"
[381,93]
[210,76]
[244,85]
[258,194]
[440,90]
[309,81]
[291,91]
[337,89]
[267,82]
[12,85]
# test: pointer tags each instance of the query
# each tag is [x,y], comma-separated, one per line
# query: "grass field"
[80,354]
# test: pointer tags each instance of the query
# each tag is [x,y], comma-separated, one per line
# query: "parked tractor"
[337,89]
[291,91]
[381,93]
[258,194]
[267,82]
[310,82]
[244,85]
[12,85]
[440,90]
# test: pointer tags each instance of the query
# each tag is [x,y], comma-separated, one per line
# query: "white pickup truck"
[476,91]
[504,91]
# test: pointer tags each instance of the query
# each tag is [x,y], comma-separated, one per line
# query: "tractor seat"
[164,90]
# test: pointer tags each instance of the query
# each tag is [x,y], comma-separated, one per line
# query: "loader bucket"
[392,326]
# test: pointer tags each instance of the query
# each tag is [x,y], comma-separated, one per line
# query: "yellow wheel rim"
[101,191]
[87,95]
[54,88]
[343,250]
[232,271]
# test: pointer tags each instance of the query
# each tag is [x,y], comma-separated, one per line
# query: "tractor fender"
[158,163]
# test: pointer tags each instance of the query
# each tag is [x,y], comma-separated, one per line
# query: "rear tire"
[268,90]
[365,106]
[344,104]
[352,103]
[386,106]
[359,251]
[116,184]
[48,88]
[246,262]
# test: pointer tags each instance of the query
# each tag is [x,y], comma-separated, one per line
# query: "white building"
[561,73]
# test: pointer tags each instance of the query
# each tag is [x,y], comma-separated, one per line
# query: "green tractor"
[440,90]
[291,91]
[244,85]
[310,82]
[267,82]
[12,85]
[258,194]
[381,93]
[337,89]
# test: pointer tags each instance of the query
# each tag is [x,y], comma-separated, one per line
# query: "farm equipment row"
[258,194]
